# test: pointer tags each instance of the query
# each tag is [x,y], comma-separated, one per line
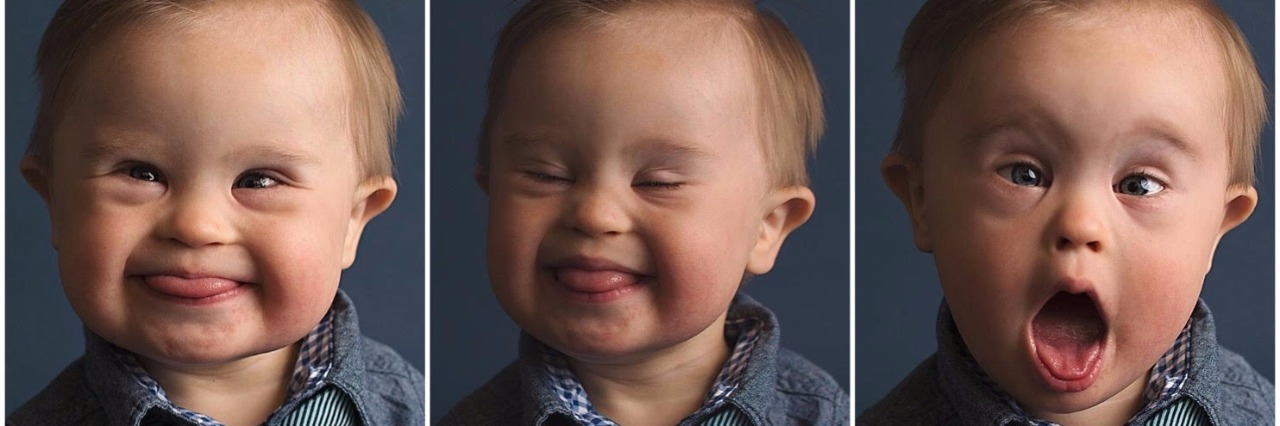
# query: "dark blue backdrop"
[897,287]
[471,337]
[43,335]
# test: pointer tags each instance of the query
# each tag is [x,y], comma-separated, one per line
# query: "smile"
[595,281]
[1068,337]
[195,291]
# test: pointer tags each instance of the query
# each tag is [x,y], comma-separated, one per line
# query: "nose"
[196,219]
[596,210]
[1080,223]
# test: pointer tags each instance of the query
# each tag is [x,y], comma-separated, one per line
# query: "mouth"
[194,291]
[1068,338]
[596,281]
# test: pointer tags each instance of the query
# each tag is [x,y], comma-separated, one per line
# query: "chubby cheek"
[701,256]
[93,244]
[515,229]
[299,261]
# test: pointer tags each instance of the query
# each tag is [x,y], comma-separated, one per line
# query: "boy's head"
[1072,165]
[641,158]
[208,169]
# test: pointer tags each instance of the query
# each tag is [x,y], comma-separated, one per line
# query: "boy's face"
[628,187]
[203,190]
[1073,187]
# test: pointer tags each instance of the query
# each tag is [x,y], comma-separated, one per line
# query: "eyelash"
[656,185]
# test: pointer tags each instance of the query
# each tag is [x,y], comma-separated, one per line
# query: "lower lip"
[193,291]
[599,297]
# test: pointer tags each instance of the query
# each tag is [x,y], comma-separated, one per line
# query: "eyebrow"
[270,154]
[1149,128]
[662,145]
[108,147]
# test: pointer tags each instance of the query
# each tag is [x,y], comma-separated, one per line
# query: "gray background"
[471,337]
[898,291]
[42,333]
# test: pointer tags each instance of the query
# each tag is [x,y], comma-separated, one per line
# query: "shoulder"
[916,400]
[808,391]
[396,384]
[67,400]
[498,402]
[1243,392]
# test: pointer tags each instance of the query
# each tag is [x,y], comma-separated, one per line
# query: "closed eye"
[659,185]
[547,178]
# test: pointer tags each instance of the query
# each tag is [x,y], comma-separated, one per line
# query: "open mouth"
[1068,337]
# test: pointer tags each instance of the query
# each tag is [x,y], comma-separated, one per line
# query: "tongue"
[594,281]
[1068,335]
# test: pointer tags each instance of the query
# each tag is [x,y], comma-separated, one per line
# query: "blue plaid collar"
[315,359]
[745,332]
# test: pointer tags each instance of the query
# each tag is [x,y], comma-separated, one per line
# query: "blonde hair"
[944,31]
[80,26]
[791,100]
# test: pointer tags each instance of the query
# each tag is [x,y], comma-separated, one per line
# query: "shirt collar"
[979,400]
[128,392]
[556,390]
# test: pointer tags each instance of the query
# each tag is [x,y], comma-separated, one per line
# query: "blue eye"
[1139,185]
[1024,175]
[255,181]
[144,173]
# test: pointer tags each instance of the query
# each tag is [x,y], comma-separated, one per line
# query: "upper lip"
[594,264]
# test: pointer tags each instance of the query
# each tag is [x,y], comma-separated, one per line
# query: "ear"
[905,180]
[373,196]
[1240,202]
[481,174]
[788,208]
[36,173]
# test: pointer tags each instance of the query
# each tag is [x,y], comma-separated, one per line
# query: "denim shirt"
[96,389]
[779,387]
[944,390]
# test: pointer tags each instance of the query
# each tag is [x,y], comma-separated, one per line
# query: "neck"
[1116,410]
[659,388]
[241,392]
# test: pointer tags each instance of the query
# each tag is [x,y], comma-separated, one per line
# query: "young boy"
[1072,167]
[208,169]
[642,159]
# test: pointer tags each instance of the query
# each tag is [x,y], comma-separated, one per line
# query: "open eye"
[145,172]
[1024,174]
[1139,185]
[255,180]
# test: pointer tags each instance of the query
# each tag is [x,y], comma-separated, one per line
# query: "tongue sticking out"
[1068,335]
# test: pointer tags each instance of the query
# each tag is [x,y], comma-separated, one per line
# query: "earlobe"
[373,197]
[36,173]
[33,171]
[481,174]
[903,177]
[1239,205]
[789,208]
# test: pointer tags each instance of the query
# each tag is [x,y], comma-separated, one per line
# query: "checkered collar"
[315,359]
[745,332]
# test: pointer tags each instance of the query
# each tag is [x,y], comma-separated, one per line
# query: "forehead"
[677,71]
[1095,74]
[269,72]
